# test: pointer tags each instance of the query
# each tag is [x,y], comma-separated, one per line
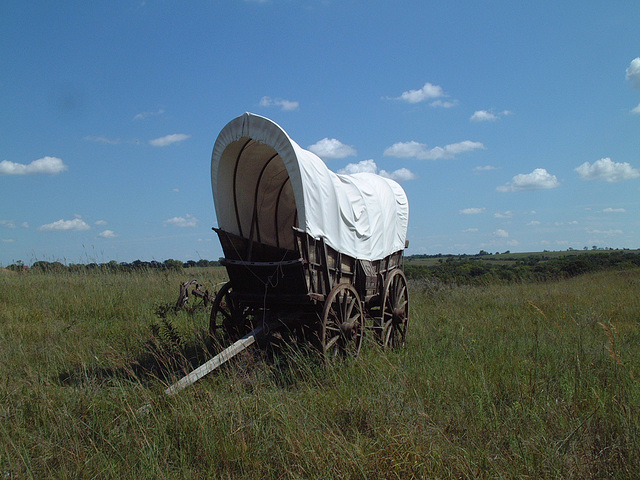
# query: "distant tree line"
[112,266]
[476,271]
[451,269]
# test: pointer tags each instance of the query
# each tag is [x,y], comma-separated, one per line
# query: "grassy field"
[529,380]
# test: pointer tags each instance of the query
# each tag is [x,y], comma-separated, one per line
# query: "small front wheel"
[342,324]
[224,311]
[234,317]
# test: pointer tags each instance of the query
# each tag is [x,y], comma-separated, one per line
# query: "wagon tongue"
[215,362]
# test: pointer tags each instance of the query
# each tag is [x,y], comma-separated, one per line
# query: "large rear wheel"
[395,310]
[342,324]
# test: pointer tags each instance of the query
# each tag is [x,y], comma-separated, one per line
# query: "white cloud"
[501,233]
[406,149]
[145,115]
[507,214]
[483,116]
[182,222]
[421,152]
[331,148]
[169,139]
[12,224]
[8,224]
[606,169]
[8,240]
[400,175]
[75,225]
[103,139]
[286,105]
[539,179]
[636,110]
[608,233]
[101,222]
[614,210]
[444,103]
[486,116]
[633,73]
[46,165]
[533,223]
[111,141]
[471,211]
[427,92]
[369,166]
[470,230]
[107,234]
[485,168]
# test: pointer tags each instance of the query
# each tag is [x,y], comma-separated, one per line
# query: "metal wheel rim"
[395,311]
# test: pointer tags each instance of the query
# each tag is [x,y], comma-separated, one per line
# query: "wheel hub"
[398,315]
[347,329]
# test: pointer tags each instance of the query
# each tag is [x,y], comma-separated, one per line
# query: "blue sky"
[511,125]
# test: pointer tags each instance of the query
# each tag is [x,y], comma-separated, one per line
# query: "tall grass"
[532,380]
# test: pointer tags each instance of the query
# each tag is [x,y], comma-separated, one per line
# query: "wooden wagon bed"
[309,272]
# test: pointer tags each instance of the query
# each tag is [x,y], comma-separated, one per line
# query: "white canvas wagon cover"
[264,184]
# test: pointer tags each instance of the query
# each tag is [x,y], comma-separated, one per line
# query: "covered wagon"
[304,247]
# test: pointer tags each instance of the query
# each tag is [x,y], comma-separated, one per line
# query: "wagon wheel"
[395,310]
[342,323]
[223,309]
[228,314]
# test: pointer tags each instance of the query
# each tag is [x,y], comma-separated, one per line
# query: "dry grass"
[521,381]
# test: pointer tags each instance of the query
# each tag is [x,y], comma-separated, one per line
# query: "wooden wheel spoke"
[400,294]
[345,307]
[225,313]
[353,321]
[402,329]
[332,341]
[349,308]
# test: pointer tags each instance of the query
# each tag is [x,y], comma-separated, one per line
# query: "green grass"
[531,380]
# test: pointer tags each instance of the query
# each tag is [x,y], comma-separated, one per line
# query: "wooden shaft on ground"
[215,362]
